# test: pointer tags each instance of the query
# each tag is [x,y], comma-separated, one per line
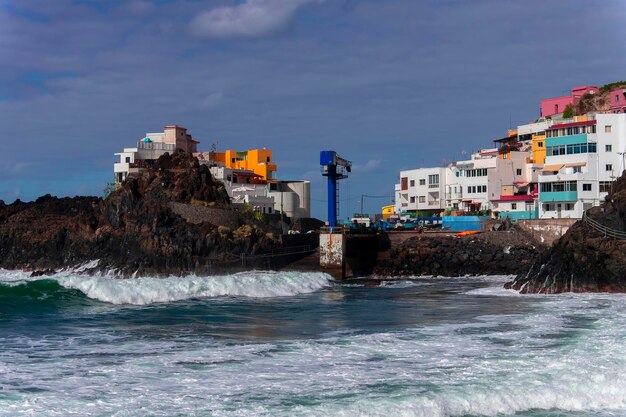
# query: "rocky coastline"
[590,257]
[493,253]
[177,219]
[135,230]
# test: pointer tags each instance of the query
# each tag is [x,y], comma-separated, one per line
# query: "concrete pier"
[345,255]
[332,251]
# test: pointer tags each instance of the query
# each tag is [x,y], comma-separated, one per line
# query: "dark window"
[412,183]
[128,159]
[608,148]
[586,187]
[609,167]
[519,171]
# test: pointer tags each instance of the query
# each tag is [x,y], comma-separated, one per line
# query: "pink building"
[556,105]
[617,98]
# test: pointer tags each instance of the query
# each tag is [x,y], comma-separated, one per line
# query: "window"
[586,187]
[549,187]
[608,148]
[422,199]
[412,183]
[609,167]
[128,159]
[469,189]
[404,183]
[607,129]
[569,206]
[412,199]
[267,159]
[518,171]
[433,181]
[616,98]
[605,186]
[269,210]
[540,144]
[578,170]
[513,206]
[422,182]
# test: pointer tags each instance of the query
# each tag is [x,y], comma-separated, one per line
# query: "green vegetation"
[568,113]
[247,209]
[611,86]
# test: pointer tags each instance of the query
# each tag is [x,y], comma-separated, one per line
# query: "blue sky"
[389,84]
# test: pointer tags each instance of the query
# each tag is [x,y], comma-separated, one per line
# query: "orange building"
[257,160]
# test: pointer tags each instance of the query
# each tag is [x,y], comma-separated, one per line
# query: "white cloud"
[369,166]
[253,18]
[212,101]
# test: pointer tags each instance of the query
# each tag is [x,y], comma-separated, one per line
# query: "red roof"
[562,125]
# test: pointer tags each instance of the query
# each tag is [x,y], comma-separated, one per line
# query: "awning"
[549,168]
[576,164]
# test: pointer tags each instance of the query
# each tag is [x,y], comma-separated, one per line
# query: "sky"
[388,84]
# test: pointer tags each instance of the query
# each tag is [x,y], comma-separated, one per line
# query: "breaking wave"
[148,290]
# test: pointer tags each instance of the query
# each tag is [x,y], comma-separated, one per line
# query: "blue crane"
[335,168]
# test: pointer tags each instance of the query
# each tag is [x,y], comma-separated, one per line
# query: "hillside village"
[557,166]
[249,177]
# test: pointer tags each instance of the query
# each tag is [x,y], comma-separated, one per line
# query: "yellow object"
[539,149]
[388,211]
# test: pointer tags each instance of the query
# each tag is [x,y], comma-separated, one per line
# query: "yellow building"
[257,160]
[388,211]
[539,148]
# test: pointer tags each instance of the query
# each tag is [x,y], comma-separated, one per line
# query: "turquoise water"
[296,344]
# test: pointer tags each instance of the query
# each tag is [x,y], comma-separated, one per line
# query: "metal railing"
[156,146]
[606,231]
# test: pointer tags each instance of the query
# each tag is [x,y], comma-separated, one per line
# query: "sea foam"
[147,290]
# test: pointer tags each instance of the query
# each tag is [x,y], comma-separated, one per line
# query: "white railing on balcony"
[156,146]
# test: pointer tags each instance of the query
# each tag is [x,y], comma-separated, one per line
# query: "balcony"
[567,140]
[454,196]
[558,196]
[435,203]
[156,146]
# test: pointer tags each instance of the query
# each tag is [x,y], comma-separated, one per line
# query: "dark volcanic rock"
[491,253]
[133,229]
[584,259]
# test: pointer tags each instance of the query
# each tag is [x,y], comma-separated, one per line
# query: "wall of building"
[421,193]
[293,198]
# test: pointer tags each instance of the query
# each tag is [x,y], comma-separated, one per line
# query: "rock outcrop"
[134,229]
[490,253]
[587,258]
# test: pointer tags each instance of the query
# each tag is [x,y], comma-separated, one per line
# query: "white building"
[468,181]
[421,189]
[582,160]
[242,188]
[293,198]
[150,148]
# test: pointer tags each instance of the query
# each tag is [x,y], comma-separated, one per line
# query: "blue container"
[463,223]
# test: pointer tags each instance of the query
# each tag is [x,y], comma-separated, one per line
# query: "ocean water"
[297,344]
